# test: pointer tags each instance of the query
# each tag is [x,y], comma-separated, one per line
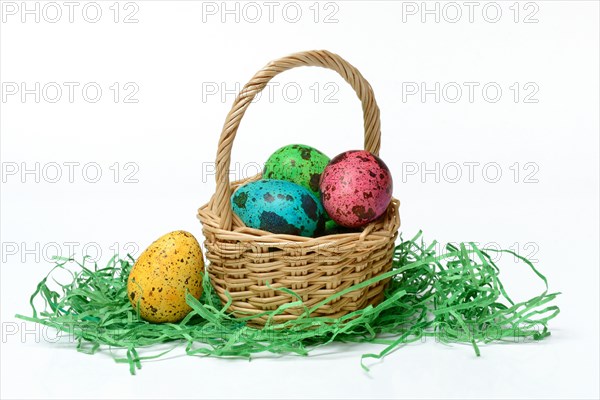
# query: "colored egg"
[299,164]
[356,188]
[331,228]
[330,225]
[279,206]
[161,276]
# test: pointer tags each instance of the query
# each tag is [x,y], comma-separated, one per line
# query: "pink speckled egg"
[356,188]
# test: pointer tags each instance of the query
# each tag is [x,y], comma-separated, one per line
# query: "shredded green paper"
[455,297]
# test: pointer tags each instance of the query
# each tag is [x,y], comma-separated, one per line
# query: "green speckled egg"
[297,163]
[330,225]
[331,228]
[279,206]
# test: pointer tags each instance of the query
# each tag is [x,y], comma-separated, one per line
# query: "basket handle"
[221,205]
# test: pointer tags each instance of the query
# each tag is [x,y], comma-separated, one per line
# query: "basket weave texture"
[252,266]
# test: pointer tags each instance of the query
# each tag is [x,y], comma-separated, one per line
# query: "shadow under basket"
[255,267]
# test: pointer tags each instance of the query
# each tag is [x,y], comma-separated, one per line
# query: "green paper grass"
[454,297]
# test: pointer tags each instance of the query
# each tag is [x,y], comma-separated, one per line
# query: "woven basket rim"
[241,232]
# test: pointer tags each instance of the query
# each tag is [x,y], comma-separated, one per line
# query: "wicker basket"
[251,265]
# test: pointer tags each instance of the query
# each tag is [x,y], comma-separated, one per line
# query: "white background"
[176,54]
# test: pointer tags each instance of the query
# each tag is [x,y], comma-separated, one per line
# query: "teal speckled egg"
[279,206]
[297,163]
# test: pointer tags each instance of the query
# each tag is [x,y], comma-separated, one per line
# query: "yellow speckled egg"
[161,275]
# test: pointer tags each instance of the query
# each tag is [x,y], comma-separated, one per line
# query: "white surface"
[171,135]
